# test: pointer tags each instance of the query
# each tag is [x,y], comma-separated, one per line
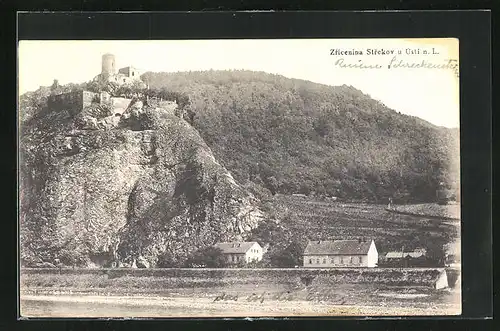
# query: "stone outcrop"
[121,193]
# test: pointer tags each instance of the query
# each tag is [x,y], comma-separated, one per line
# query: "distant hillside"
[295,136]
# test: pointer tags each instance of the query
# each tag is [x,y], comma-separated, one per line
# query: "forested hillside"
[295,136]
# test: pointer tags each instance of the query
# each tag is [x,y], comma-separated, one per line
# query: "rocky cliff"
[142,187]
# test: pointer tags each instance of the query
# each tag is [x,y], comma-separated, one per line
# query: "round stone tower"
[108,64]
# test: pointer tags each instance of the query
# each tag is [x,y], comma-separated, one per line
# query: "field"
[236,292]
[324,220]
[448,212]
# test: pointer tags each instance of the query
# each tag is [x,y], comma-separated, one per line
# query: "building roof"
[400,255]
[338,247]
[394,255]
[237,247]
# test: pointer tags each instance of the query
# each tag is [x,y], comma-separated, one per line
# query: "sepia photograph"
[239,178]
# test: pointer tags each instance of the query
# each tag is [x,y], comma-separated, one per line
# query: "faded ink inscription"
[407,58]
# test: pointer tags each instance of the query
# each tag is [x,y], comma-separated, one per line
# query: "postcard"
[239,177]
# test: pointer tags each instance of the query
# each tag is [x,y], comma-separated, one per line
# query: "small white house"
[442,280]
[341,253]
[237,252]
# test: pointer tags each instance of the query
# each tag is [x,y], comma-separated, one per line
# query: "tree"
[435,254]
[210,257]
[55,85]
[166,260]
[138,85]
[289,257]
[271,184]
[72,257]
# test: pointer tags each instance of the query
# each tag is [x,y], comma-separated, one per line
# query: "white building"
[237,252]
[341,253]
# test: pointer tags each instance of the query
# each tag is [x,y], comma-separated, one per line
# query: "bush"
[289,257]
[167,260]
[210,257]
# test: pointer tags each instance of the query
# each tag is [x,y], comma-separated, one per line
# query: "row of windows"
[342,260]
[254,250]
[234,258]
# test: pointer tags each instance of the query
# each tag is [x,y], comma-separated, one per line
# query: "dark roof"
[235,247]
[337,247]
[400,255]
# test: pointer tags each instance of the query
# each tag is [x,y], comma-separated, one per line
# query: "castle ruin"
[76,101]
[125,75]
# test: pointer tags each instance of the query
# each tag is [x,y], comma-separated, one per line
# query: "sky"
[431,94]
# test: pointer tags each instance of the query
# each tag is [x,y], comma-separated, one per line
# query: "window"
[310,261]
[324,261]
[124,80]
[332,261]
[317,261]
[341,260]
[132,73]
[350,260]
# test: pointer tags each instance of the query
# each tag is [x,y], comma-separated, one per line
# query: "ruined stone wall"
[130,72]
[74,101]
[88,98]
[119,105]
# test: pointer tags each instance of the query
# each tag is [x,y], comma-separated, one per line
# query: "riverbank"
[235,292]
[157,307]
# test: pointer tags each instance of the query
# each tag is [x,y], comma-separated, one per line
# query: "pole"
[402,257]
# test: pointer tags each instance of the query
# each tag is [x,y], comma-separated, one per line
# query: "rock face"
[148,187]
